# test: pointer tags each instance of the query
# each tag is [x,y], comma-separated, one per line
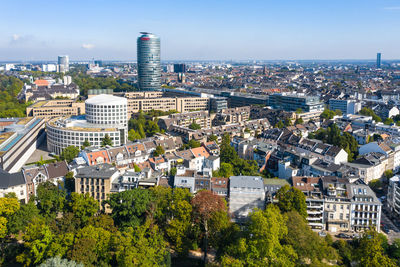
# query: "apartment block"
[96,180]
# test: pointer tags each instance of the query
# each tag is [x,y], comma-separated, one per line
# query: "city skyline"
[202,31]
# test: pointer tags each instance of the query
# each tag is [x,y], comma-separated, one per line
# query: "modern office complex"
[156,100]
[63,63]
[378,60]
[55,108]
[148,59]
[178,68]
[294,102]
[18,140]
[345,106]
[105,115]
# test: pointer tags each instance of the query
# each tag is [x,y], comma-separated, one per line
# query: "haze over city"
[201,30]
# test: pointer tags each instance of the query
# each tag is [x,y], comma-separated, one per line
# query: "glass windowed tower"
[148,59]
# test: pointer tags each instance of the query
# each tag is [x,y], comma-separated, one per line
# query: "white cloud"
[16,37]
[392,8]
[87,46]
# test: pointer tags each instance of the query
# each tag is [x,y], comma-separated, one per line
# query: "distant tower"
[148,59]
[378,60]
[63,63]
[265,70]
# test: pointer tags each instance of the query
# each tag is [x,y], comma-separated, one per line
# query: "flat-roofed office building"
[105,115]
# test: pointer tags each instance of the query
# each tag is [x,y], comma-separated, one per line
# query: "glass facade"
[148,59]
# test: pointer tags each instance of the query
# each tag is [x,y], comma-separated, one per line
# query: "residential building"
[393,197]
[310,186]
[271,187]
[337,204]
[13,183]
[365,207]
[96,180]
[246,193]
[219,186]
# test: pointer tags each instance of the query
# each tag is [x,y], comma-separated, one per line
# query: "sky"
[200,29]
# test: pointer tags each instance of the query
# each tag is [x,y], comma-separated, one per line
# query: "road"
[392,230]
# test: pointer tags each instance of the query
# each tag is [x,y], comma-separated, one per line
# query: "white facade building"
[105,115]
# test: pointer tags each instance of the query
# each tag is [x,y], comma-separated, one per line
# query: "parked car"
[343,235]
[322,234]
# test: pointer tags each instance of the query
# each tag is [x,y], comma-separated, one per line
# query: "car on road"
[343,235]
[322,234]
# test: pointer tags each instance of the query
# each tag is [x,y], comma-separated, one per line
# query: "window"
[331,216]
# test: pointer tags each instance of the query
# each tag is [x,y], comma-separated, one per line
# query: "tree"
[290,198]
[279,125]
[85,144]
[133,135]
[69,153]
[58,262]
[50,199]
[205,204]
[194,126]
[394,250]
[151,128]
[338,112]
[370,251]
[136,168]
[83,206]
[143,246]
[159,151]
[306,243]
[106,141]
[173,171]
[261,244]
[193,143]
[225,170]
[299,111]
[129,207]
[388,121]
[213,138]
[69,182]
[37,240]
[388,174]
[327,114]
[22,217]
[91,246]
[178,220]
[369,112]
[8,206]
[299,121]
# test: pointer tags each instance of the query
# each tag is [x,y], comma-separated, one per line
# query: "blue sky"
[204,29]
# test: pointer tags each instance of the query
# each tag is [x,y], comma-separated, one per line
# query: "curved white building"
[105,114]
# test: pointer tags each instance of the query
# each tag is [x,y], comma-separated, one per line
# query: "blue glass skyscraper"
[378,60]
[148,59]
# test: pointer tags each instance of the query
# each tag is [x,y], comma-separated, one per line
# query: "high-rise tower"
[63,63]
[378,60]
[148,59]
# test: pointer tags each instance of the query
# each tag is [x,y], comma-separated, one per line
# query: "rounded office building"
[148,59]
[105,115]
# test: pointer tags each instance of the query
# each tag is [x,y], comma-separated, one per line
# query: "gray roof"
[11,179]
[103,171]
[246,181]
